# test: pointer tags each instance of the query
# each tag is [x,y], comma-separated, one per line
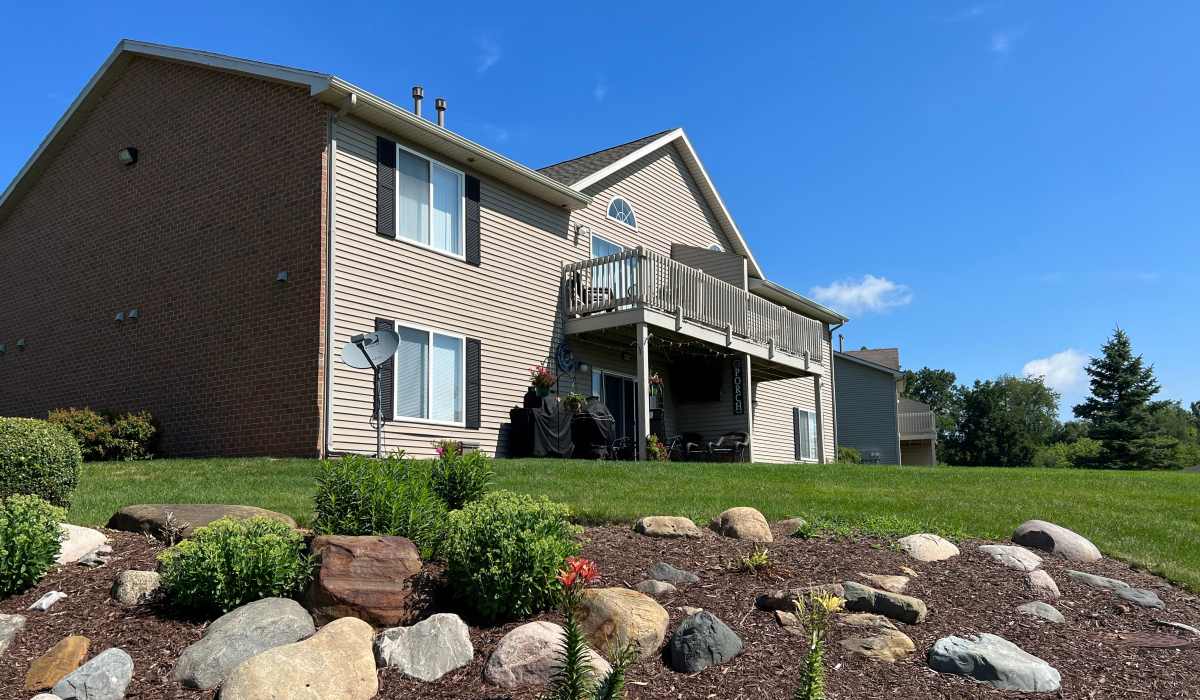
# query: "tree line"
[1013,421]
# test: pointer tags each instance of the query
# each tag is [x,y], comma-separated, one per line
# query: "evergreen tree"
[1119,409]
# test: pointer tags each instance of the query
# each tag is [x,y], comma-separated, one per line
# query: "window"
[716,247]
[622,211]
[429,375]
[806,433]
[429,203]
[601,247]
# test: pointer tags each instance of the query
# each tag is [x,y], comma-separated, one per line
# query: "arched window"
[622,211]
[717,247]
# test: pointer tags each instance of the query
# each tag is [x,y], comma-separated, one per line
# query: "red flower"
[578,570]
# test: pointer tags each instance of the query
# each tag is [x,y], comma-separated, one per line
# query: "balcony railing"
[638,278]
[918,423]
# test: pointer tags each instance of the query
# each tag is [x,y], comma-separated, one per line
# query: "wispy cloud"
[1062,371]
[600,91]
[868,294]
[1003,41]
[495,133]
[490,53]
[970,13]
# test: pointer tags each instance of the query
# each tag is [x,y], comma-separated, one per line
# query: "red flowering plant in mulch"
[573,680]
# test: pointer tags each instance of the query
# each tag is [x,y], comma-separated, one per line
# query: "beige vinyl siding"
[613,360]
[774,439]
[724,266]
[712,419]
[509,302]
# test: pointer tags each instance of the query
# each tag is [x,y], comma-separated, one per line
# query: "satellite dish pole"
[372,350]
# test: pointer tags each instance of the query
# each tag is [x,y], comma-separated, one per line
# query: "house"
[873,417]
[200,235]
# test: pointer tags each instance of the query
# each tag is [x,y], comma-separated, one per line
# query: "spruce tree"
[1119,409]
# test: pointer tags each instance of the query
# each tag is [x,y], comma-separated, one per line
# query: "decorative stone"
[927,547]
[97,557]
[616,617]
[689,610]
[238,635]
[180,520]
[787,619]
[786,600]
[663,571]
[1045,611]
[1141,597]
[655,589]
[860,598]
[701,641]
[1055,539]
[429,649]
[365,577]
[666,526]
[791,525]
[1017,558]
[336,663]
[47,601]
[45,696]
[77,542]
[103,678]
[874,637]
[909,572]
[529,655]
[1095,581]
[132,587]
[743,524]
[60,660]
[1179,626]
[894,584]
[1041,585]
[994,660]
[10,626]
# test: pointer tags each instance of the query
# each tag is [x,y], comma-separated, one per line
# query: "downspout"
[833,386]
[329,250]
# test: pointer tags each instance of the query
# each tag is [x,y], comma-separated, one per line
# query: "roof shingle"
[571,171]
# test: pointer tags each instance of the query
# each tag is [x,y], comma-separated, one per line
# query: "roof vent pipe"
[418,95]
[841,342]
[440,105]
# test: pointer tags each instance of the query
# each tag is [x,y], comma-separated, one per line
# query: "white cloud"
[490,54]
[495,132]
[871,293]
[1062,371]
[1003,41]
[601,90]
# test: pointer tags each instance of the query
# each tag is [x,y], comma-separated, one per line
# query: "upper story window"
[429,203]
[602,248]
[622,211]
[717,247]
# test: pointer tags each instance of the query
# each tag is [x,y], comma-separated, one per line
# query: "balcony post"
[643,380]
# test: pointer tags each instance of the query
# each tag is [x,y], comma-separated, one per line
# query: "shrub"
[229,563]
[132,435]
[655,450]
[459,479]
[30,538]
[363,496]
[38,459]
[503,552]
[1063,455]
[848,455]
[127,436]
[91,430]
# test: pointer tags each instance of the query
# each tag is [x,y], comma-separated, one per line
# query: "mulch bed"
[1106,649]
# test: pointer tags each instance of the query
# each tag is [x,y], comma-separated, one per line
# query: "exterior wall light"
[21,344]
[127,155]
[281,276]
[120,316]
[3,348]
[132,315]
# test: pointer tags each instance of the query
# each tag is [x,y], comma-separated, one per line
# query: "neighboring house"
[199,236]
[872,416]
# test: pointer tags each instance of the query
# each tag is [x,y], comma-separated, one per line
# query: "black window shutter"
[473,250]
[474,379]
[385,187]
[385,393]
[796,434]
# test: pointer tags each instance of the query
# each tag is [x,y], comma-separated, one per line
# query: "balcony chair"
[730,447]
[687,447]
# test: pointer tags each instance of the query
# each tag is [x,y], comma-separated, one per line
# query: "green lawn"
[1149,519]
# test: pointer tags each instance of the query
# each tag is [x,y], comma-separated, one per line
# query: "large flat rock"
[1055,539]
[78,542]
[365,577]
[336,663]
[184,518]
[238,635]
[905,608]
[429,649]
[994,660]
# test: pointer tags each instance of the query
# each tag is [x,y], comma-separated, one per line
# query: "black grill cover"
[541,432]
[592,430]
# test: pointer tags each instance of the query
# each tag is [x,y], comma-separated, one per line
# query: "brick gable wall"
[227,192]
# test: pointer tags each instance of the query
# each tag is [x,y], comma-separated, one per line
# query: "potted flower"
[656,390]
[574,402]
[541,380]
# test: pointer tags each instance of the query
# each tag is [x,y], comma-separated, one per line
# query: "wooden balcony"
[640,286]
[920,425]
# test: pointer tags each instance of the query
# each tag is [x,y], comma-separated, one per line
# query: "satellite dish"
[369,350]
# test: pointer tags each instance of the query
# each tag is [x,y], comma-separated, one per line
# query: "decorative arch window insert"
[621,211]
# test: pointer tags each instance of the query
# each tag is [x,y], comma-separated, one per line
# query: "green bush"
[38,459]
[230,562]
[1064,455]
[362,496]
[504,551]
[30,538]
[132,435]
[91,430]
[848,455]
[127,436]
[459,479]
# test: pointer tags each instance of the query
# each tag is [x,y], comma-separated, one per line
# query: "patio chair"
[730,446]
[687,447]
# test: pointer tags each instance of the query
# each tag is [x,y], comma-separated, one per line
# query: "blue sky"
[985,185]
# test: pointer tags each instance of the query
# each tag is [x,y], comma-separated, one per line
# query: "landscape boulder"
[10,627]
[700,641]
[1013,557]
[655,589]
[1041,585]
[994,660]
[1141,597]
[663,571]
[180,520]
[78,542]
[666,526]
[892,584]
[238,635]
[367,577]
[529,656]
[791,525]
[927,547]
[860,598]
[743,524]
[132,587]
[336,663]
[1095,581]
[58,662]
[105,677]
[1045,611]
[613,618]
[45,696]
[786,599]
[1055,539]
[874,637]
[427,650]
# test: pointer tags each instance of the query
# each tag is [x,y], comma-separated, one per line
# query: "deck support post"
[643,381]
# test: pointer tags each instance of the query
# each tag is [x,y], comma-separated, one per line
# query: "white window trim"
[808,417]
[462,206]
[629,204]
[716,248]
[429,331]
[592,245]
